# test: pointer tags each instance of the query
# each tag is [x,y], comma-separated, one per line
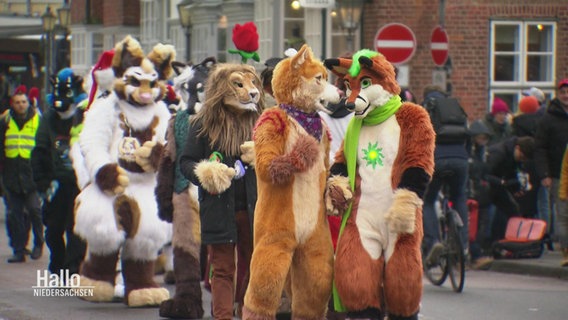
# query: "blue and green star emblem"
[373,155]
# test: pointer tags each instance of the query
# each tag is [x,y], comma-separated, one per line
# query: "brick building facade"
[468,24]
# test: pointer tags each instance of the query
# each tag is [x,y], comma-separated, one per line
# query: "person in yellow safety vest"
[18,131]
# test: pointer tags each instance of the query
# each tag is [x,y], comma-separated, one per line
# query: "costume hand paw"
[401,216]
[112,179]
[281,169]
[148,155]
[304,153]
[247,152]
[338,195]
[215,177]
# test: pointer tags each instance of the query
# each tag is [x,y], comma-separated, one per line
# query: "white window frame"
[516,86]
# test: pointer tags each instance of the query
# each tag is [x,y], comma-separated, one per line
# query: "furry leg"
[99,271]
[403,275]
[187,303]
[140,288]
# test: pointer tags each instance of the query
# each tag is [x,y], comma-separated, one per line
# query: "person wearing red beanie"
[528,105]
[496,120]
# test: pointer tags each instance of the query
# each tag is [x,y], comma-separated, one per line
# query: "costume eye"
[318,78]
[185,86]
[366,82]
[153,83]
[70,94]
[134,82]
[238,84]
[200,87]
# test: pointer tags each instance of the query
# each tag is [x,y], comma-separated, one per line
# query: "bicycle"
[452,260]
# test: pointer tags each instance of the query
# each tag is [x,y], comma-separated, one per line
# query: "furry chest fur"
[376,154]
[308,186]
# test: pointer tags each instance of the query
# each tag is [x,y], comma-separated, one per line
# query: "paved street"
[495,295]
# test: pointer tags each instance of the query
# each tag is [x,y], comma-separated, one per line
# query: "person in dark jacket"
[507,178]
[451,168]
[216,160]
[496,120]
[54,175]
[478,190]
[18,132]
[551,140]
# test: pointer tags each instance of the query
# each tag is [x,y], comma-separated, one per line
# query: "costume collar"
[311,122]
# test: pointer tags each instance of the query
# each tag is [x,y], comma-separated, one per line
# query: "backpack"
[449,120]
[524,238]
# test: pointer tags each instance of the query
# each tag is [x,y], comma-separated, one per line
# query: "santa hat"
[529,104]
[104,63]
[499,106]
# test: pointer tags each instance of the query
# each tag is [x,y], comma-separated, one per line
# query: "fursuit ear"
[179,66]
[303,55]
[127,53]
[162,56]
[208,62]
[338,66]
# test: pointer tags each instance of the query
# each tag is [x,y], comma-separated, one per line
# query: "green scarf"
[350,146]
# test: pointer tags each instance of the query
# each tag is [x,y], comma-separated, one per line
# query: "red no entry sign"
[396,42]
[439,46]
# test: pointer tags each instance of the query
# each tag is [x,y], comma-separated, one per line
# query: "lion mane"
[226,127]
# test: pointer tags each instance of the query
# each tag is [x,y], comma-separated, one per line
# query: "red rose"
[245,37]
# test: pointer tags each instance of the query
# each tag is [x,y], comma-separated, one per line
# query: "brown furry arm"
[270,136]
[416,154]
[148,155]
[165,188]
[111,179]
[166,175]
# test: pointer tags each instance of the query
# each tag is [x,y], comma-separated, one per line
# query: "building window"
[78,46]
[522,56]
[98,43]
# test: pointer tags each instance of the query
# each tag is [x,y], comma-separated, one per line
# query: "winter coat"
[478,186]
[17,173]
[50,158]
[499,132]
[525,124]
[550,140]
[217,211]
[501,166]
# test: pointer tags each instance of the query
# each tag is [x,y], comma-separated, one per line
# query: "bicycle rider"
[449,158]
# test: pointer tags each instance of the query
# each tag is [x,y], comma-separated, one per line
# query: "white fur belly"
[307,198]
[377,150]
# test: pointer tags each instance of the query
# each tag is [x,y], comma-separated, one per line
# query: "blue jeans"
[457,195]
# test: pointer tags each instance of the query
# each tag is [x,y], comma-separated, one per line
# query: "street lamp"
[62,56]
[350,16]
[48,25]
[184,12]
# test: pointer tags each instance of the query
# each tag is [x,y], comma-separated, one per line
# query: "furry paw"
[281,170]
[102,291]
[401,216]
[247,152]
[338,195]
[148,155]
[112,179]
[181,309]
[215,177]
[147,297]
[304,153]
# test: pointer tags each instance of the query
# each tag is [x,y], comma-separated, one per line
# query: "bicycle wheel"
[438,273]
[455,255]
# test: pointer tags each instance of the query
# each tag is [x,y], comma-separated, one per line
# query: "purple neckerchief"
[311,122]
